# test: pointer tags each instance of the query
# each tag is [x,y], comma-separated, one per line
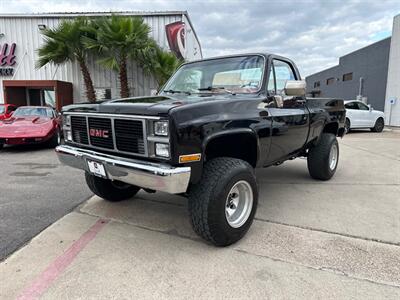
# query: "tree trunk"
[123,78]
[90,94]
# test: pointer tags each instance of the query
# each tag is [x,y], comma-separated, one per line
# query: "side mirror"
[295,88]
[370,107]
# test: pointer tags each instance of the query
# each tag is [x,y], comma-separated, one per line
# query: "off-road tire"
[318,157]
[207,200]
[379,125]
[55,139]
[109,190]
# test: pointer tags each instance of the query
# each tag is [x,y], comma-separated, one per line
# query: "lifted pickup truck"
[214,122]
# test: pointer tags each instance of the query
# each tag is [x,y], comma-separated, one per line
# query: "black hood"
[154,105]
[149,106]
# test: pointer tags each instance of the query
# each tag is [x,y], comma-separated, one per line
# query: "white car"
[360,115]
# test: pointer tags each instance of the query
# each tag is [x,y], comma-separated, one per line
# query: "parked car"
[6,111]
[214,122]
[359,115]
[31,125]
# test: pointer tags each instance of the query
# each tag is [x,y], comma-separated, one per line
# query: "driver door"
[290,123]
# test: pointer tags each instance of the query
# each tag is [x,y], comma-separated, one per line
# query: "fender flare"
[232,131]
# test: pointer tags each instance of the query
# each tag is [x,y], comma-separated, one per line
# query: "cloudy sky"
[313,33]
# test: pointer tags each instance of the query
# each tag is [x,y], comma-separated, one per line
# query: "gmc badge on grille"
[99,133]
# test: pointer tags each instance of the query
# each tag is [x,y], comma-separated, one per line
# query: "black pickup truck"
[202,136]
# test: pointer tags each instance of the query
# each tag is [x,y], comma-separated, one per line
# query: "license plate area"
[96,168]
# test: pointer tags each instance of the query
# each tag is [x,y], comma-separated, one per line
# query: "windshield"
[33,111]
[241,74]
[2,109]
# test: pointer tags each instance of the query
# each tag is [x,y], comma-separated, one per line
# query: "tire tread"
[200,194]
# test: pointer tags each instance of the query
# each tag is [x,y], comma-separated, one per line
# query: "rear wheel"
[223,204]
[1,146]
[110,190]
[323,158]
[379,125]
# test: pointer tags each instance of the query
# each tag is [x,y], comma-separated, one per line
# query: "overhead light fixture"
[41,26]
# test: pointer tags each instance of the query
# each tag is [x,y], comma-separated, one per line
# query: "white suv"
[360,115]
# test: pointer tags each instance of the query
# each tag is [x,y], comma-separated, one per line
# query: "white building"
[392,101]
[23,84]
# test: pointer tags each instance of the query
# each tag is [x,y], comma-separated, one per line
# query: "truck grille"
[100,132]
[79,130]
[112,133]
[129,135]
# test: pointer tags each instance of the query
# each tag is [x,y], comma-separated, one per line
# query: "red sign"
[176,38]
[7,56]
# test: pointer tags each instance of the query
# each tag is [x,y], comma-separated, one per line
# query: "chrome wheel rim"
[239,204]
[333,157]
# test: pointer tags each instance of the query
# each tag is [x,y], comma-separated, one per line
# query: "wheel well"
[331,128]
[381,119]
[239,145]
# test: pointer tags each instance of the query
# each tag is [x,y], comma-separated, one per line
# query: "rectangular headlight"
[162,149]
[161,128]
[68,135]
[66,120]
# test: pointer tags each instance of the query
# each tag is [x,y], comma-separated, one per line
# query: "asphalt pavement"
[35,191]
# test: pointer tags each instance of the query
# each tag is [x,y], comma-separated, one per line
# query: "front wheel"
[109,190]
[55,139]
[323,158]
[347,126]
[223,204]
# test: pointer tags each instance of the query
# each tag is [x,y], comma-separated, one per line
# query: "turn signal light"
[189,158]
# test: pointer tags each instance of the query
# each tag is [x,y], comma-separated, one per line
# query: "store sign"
[176,38]
[7,59]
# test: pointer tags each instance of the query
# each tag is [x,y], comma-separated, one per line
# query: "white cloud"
[312,33]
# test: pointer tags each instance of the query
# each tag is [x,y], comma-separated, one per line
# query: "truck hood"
[152,106]
[155,105]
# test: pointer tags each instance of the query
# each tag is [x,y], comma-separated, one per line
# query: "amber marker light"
[189,158]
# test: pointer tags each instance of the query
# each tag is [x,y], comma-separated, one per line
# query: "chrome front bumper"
[155,176]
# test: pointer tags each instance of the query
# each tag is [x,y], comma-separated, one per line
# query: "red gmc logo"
[99,133]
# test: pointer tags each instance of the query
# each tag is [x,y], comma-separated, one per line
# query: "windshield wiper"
[177,92]
[211,88]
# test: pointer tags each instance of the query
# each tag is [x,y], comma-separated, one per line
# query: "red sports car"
[6,111]
[31,125]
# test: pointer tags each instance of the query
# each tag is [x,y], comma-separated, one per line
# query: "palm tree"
[116,40]
[63,44]
[159,63]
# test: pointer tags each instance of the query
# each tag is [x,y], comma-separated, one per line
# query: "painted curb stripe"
[57,267]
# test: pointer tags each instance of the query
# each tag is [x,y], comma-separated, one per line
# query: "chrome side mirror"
[295,88]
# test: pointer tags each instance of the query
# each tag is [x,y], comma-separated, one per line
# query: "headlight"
[68,135]
[161,128]
[67,120]
[162,150]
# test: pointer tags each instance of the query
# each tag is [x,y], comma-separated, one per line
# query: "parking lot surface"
[332,240]
[35,191]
